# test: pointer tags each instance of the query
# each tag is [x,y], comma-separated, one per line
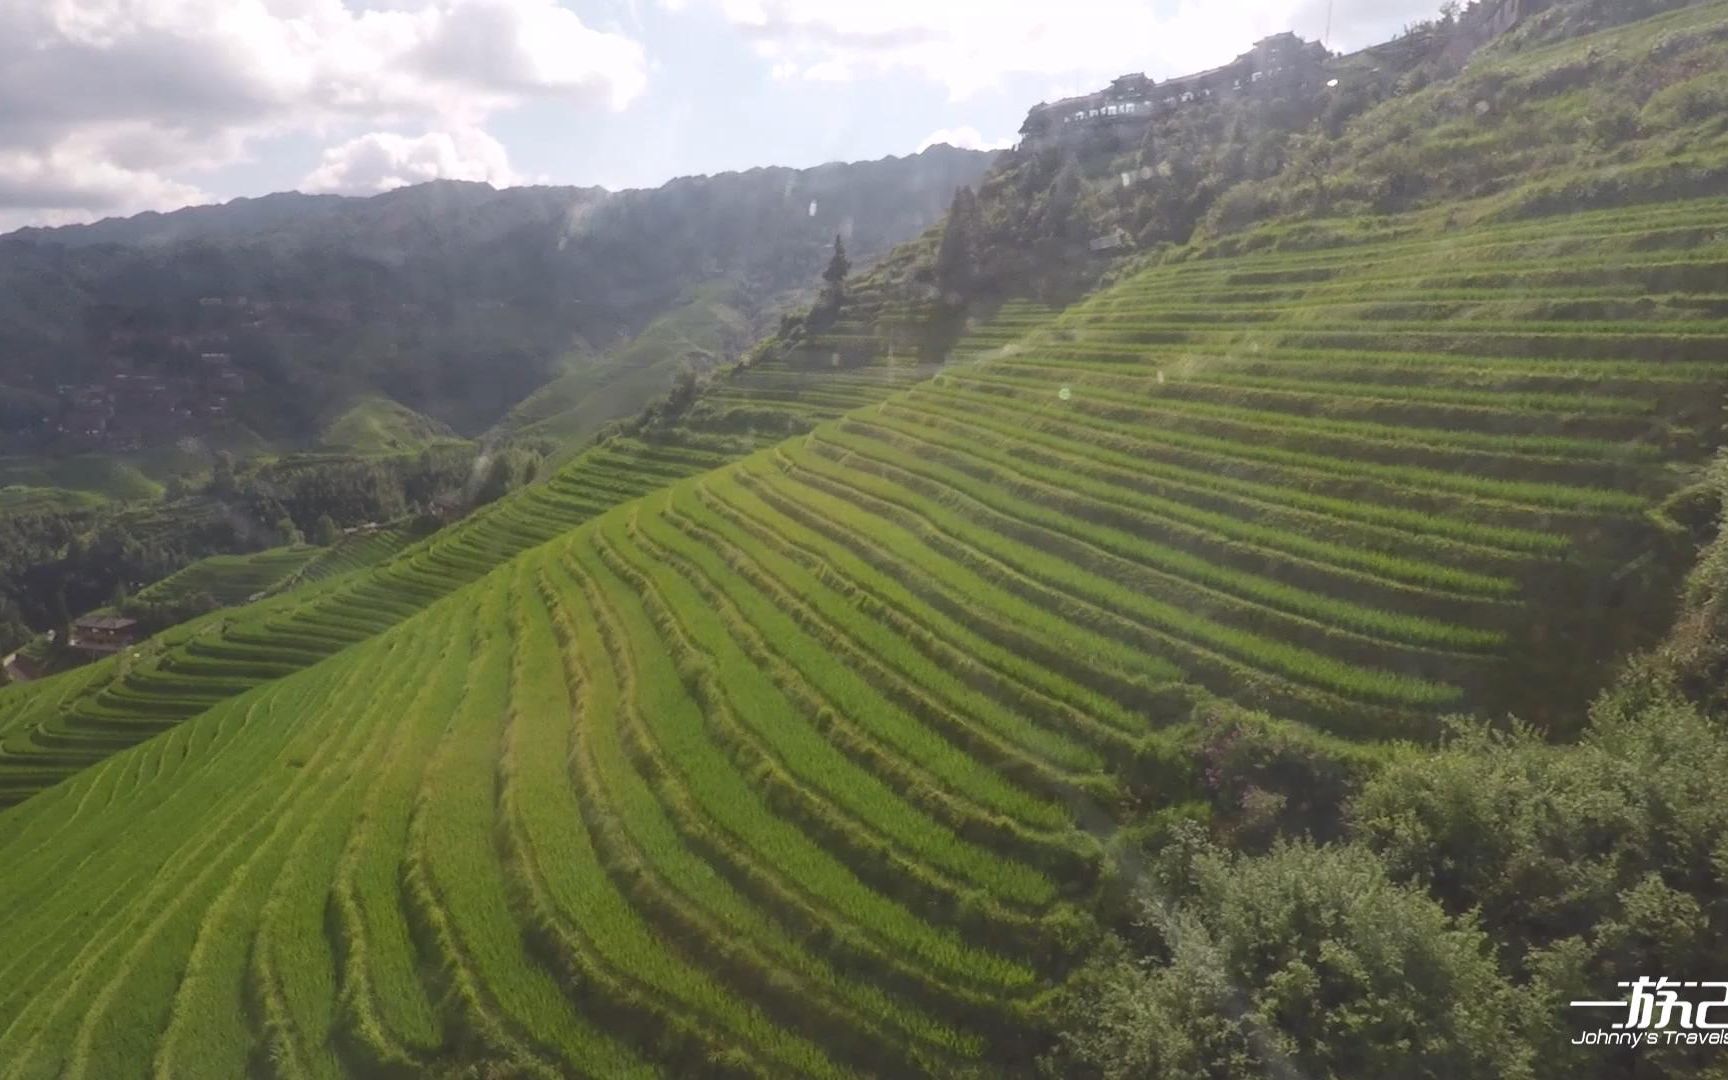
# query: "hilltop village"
[1284,61]
[154,373]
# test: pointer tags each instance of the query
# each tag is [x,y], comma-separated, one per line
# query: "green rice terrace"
[233,579]
[727,753]
[21,499]
[368,582]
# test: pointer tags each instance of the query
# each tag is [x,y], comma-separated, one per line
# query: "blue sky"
[116,106]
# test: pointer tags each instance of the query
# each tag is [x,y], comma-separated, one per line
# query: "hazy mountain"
[269,315]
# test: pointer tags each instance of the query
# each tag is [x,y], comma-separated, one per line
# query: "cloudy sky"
[115,106]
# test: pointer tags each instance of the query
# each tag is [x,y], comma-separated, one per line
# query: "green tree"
[13,630]
[1589,864]
[498,477]
[1311,164]
[833,293]
[325,532]
[957,256]
[1063,221]
[838,266]
[683,392]
[223,483]
[60,619]
[1306,962]
[1267,778]
[1694,658]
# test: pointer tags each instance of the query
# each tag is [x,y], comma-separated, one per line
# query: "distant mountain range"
[261,319]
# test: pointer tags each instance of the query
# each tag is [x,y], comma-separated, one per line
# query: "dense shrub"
[1704,98]
[1589,865]
[1306,962]
[1267,778]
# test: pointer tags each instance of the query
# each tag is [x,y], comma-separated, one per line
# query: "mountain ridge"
[455,299]
[102,230]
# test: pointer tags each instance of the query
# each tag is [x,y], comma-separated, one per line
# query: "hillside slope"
[52,728]
[381,426]
[1587,105]
[697,335]
[786,766]
[232,579]
[812,725]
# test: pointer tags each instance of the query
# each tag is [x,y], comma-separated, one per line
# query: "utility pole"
[1326,39]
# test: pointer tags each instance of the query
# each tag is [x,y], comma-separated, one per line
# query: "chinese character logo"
[1686,1012]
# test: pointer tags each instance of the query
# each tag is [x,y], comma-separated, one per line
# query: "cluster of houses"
[157,382]
[165,375]
[1280,58]
[130,409]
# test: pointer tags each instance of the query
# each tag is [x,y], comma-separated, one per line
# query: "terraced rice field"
[800,765]
[20,499]
[1298,449]
[639,863]
[49,730]
[355,551]
[232,579]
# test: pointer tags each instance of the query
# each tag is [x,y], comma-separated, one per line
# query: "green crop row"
[1106,423]
[1097,489]
[1352,436]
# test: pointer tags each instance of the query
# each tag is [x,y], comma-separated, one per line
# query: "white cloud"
[965,137]
[969,45]
[160,89]
[837,71]
[76,181]
[383,160]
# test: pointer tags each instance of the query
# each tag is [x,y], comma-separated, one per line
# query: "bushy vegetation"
[1306,961]
[78,551]
[1584,865]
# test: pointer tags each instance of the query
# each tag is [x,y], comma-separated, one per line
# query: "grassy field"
[100,474]
[23,499]
[727,753]
[380,426]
